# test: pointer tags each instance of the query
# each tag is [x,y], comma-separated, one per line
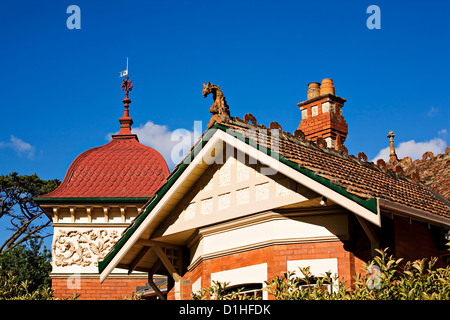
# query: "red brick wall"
[323,124]
[413,240]
[92,289]
[276,258]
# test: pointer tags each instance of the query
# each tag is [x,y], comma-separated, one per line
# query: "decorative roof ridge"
[299,138]
[221,115]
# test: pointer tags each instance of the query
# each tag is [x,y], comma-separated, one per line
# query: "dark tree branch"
[16,201]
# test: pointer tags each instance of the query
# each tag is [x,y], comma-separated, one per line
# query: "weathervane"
[125,122]
[126,85]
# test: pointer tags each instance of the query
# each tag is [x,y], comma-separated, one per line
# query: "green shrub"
[220,291]
[24,272]
[289,287]
[416,280]
[29,262]
[384,278]
[12,289]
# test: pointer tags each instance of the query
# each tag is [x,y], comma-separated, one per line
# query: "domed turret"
[122,168]
[104,190]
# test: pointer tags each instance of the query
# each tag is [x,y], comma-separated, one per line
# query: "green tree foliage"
[24,272]
[26,219]
[388,279]
[28,263]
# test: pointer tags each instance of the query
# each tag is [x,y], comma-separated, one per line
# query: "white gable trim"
[214,143]
[207,154]
[304,180]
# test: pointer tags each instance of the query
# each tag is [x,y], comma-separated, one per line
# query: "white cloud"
[19,146]
[413,149]
[443,133]
[433,111]
[172,145]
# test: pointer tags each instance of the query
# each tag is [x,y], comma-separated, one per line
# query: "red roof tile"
[433,173]
[121,168]
[361,178]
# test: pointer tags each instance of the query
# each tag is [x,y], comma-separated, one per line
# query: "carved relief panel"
[82,248]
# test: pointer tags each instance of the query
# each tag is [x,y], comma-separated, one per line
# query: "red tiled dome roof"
[121,168]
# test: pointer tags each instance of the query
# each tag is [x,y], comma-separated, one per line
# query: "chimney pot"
[313,90]
[327,86]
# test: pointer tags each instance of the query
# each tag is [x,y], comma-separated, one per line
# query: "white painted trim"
[197,285]
[215,143]
[204,154]
[281,231]
[121,275]
[318,267]
[304,180]
[251,274]
[260,245]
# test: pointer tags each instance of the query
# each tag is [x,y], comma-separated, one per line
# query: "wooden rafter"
[166,262]
[371,233]
[149,243]
[164,258]
[138,258]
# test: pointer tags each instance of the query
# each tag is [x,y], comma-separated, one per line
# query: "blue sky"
[61,88]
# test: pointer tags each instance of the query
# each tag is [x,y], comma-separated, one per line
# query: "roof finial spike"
[126,122]
[392,154]
[127,86]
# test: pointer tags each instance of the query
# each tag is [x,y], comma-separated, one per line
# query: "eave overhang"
[366,208]
[389,206]
[41,200]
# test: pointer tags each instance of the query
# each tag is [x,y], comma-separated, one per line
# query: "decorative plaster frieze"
[82,248]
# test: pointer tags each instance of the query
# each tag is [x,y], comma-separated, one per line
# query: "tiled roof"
[359,177]
[121,168]
[432,171]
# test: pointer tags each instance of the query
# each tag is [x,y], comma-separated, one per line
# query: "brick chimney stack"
[322,114]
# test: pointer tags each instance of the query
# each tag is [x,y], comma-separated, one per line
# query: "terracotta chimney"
[322,114]
[327,86]
[313,90]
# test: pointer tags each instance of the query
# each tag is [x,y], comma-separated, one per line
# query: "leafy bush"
[289,287]
[385,278]
[220,291]
[12,289]
[417,280]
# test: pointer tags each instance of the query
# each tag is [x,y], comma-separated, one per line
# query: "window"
[249,289]
[250,278]
[318,269]
[313,284]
